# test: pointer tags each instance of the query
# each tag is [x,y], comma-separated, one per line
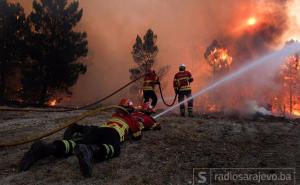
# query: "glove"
[137,136]
[157,127]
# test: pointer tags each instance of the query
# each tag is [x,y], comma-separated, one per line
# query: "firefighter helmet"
[127,104]
[181,67]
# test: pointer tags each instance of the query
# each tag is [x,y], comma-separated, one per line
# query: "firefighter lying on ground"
[150,80]
[144,118]
[182,87]
[94,144]
[141,116]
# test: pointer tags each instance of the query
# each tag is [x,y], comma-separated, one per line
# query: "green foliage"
[12,41]
[54,48]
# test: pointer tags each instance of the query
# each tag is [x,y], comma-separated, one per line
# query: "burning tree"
[12,42]
[218,58]
[220,61]
[288,101]
[54,49]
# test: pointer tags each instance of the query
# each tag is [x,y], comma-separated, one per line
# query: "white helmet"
[182,67]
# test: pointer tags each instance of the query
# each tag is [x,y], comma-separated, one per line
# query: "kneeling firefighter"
[89,143]
[181,84]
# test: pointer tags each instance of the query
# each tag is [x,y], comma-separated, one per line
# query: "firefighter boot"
[191,112]
[182,112]
[84,154]
[37,151]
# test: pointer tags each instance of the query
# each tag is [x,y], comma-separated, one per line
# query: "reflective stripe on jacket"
[119,125]
[123,124]
[149,81]
[182,81]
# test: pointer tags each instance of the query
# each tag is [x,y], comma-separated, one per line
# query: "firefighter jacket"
[124,124]
[146,122]
[149,81]
[182,81]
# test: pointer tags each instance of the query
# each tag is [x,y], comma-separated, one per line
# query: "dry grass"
[161,157]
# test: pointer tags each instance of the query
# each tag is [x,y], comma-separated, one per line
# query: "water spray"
[277,56]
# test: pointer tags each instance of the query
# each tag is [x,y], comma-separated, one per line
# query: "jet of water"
[276,57]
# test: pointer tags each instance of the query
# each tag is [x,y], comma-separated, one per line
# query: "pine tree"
[290,76]
[144,54]
[55,49]
[12,41]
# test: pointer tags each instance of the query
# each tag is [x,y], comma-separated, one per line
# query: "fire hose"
[65,124]
[75,119]
[106,97]
[162,97]
[67,109]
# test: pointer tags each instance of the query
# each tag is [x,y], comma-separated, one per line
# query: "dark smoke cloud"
[272,23]
[184,29]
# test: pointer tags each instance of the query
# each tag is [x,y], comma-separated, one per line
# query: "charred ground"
[161,157]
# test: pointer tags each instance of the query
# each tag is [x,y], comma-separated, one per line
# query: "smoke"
[250,36]
[184,30]
[254,40]
[253,109]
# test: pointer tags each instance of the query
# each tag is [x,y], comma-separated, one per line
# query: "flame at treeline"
[52,102]
[277,92]
[287,99]
[282,100]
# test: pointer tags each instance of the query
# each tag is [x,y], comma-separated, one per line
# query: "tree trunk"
[2,82]
[290,91]
[291,99]
[43,93]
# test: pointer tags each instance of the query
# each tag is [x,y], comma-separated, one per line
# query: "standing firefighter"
[182,87]
[90,143]
[150,80]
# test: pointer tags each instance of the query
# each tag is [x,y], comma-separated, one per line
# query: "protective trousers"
[150,95]
[181,96]
[106,139]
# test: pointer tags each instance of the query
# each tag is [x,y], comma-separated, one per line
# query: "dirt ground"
[161,157]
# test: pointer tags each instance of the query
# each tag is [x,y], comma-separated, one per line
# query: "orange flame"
[296,113]
[287,101]
[52,102]
[251,21]
[220,58]
[212,108]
